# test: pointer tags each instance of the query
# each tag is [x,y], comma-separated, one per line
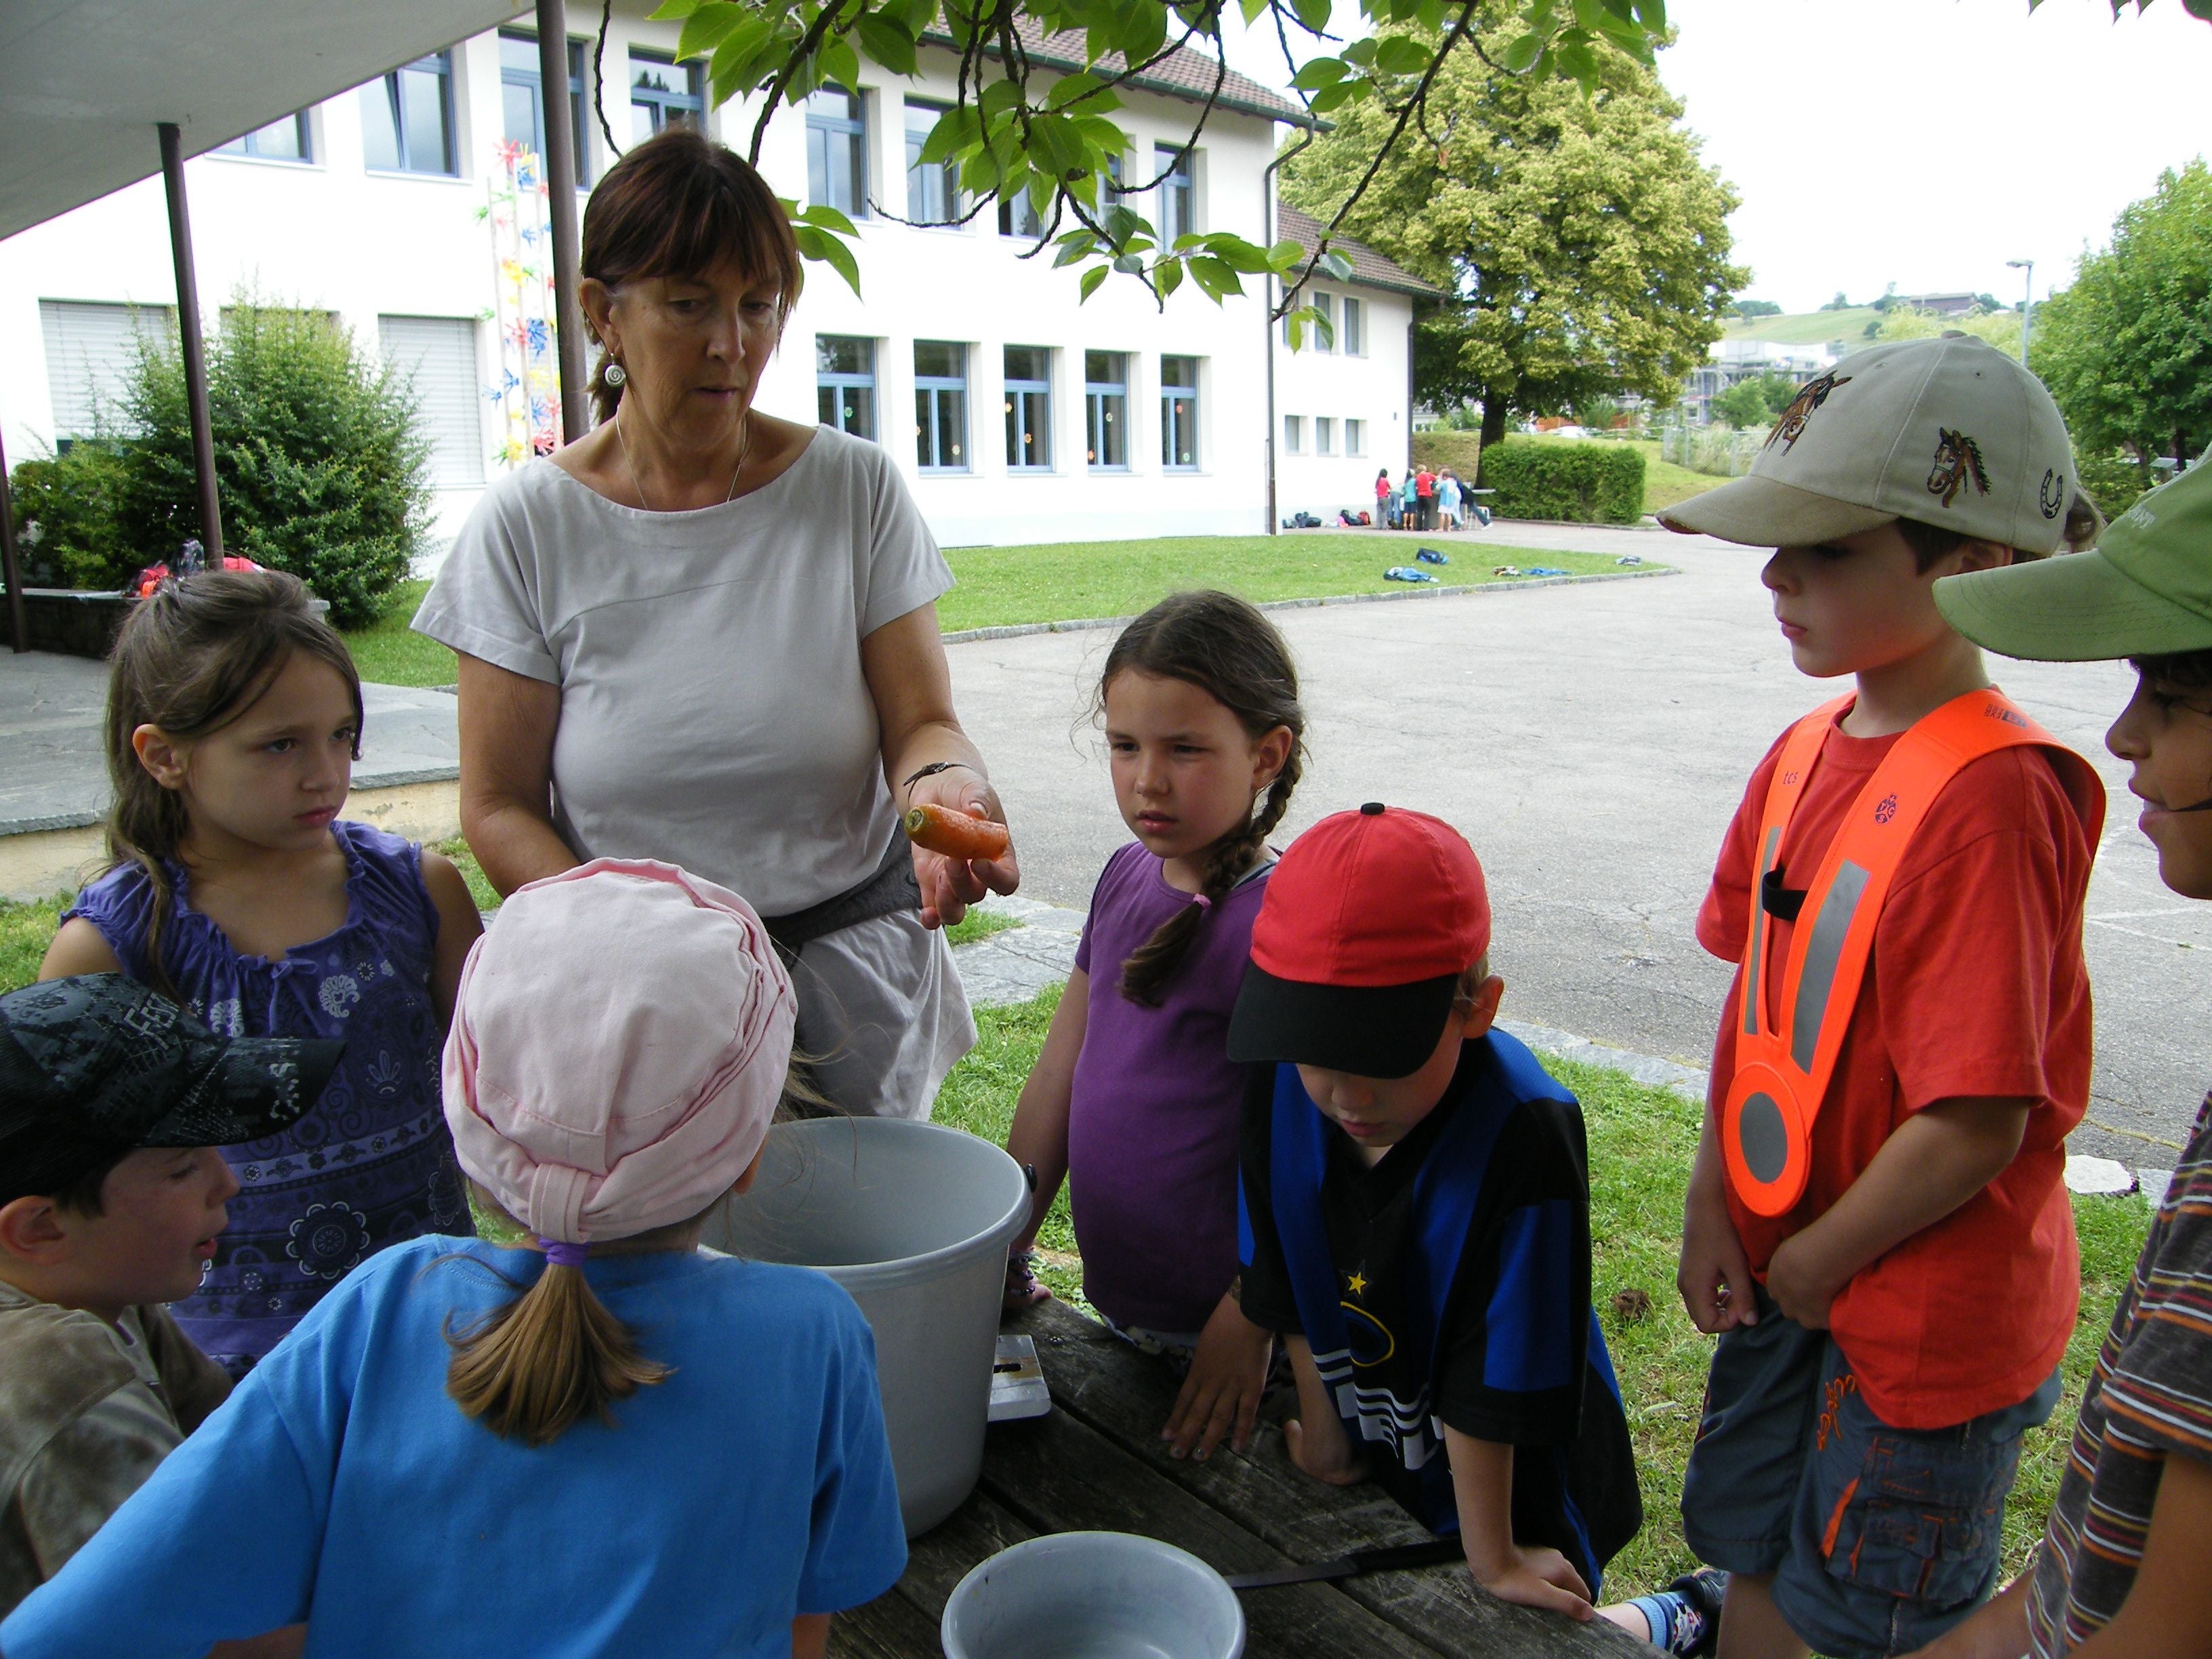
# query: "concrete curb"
[1506,584]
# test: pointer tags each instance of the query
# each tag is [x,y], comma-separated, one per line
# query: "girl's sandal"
[1023,1289]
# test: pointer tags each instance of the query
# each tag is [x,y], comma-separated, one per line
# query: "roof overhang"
[82,82]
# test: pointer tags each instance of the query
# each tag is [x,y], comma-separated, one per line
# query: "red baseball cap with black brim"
[1367,925]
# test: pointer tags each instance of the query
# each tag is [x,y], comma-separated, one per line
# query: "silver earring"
[614,375]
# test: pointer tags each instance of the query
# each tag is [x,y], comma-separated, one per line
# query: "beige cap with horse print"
[1949,431]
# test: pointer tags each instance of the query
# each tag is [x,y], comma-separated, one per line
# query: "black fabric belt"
[889,890]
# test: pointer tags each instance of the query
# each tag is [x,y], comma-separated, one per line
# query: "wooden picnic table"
[1095,1461]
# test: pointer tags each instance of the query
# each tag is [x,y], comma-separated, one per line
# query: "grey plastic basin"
[1093,1596]
[913,1220]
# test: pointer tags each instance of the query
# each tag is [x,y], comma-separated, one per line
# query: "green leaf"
[828,218]
[1216,276]
[1294,325]
[999,97]
[1521,53]
[1336,97]
[1360,53]
[956,129]
[1083,93]
[1167,276]
[1337,265]
[1129,264]
[1092,279]
[836,61]
[1284,254]
[825,249]
[1055,144]
[919,14]
[669,10]
[1254,10]
[1313,13]
[886,41]
[1399,54]
[1121,223]
[1318,72]
[1239,255]
[1652,13]
[1075,246]
[708,26]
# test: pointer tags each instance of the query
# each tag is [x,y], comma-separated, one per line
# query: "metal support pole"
[1267,285]
[19,629]
[560,211]
[188,334]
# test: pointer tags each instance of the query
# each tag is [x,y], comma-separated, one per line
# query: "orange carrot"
[957,835]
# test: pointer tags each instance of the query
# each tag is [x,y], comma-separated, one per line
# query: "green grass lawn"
[25,930]
[1666,484]
[1641,1140]
[1002,587]
[1805,327]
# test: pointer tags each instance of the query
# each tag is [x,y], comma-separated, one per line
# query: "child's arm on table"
[2168,1611]
[1937,1159]
[1482,1484]
[458,926]
[810,1636]
[1315,1436]
[1228,1375]
[78,948]
[1038,1137]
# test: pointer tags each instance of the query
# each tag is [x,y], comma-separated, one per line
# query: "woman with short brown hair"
[704,635]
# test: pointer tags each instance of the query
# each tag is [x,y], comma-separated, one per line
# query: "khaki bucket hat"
[1948,431]
[2146,590]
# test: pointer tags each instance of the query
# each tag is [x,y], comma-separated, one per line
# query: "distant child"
[233,719]
[1417,1203]
[1409,502]
[1876,1224]
[2121,1570]
[1446,500]
[1134,1100]
[111,1201]
[1386,500]
[593,1439]
[1424,497]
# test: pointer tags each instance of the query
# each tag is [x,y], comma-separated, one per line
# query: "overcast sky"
[1926,141]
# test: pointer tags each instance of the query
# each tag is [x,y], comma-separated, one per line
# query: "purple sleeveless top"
[371,1164]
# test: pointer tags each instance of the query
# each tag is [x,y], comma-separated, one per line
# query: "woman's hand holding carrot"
[961,815]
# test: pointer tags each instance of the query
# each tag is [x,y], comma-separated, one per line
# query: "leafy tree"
[322,472]
[2000,328]
[1583,245]
[1756,309]
[1839,303]
[1755,401]
[2127,349]
[1022,124]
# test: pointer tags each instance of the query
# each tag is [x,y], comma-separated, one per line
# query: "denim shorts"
[1879,1539]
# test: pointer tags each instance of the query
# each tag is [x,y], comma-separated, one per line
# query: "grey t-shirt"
[713,710]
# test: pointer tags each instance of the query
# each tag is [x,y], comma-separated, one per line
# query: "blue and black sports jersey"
[1448,1284]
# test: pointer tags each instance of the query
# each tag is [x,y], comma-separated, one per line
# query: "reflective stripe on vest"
[1783,1069]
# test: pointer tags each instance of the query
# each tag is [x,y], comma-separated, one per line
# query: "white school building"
[1016,413]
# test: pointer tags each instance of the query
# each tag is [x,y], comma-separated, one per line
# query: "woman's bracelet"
[934,768]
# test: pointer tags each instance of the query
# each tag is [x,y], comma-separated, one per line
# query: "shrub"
[1581,482]
[65,516]
[2115,482]
[1460,451]
[321,471]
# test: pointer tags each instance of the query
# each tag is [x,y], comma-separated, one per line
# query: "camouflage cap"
[97,1064]
[1950,432]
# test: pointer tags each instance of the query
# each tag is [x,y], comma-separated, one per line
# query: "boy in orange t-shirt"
[1888,1331]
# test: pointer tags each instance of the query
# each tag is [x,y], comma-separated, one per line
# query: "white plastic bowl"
[913,1220]
[1093,1596]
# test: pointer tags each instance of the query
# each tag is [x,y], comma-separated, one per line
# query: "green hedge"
[1460,451]
[1579,482]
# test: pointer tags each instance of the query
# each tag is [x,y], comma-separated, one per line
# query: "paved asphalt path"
[1592,741]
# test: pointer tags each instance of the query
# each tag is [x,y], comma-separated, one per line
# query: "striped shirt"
[2149,1396]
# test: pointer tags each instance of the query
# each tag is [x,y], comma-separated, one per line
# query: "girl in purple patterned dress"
[233,719]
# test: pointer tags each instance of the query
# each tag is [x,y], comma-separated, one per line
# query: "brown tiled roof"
[1183,73]
[1368,267]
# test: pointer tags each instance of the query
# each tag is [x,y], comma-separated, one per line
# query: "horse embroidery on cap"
[1810,396]
[1958,458]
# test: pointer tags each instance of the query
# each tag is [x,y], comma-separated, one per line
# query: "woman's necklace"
[745,449]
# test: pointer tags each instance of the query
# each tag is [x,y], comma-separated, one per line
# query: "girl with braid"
[1134,1101]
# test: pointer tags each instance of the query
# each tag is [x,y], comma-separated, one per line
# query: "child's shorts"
[1879,1539]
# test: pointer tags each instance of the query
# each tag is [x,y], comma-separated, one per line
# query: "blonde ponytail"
[532,1369]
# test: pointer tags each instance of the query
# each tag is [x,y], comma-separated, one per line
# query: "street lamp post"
[2027,304]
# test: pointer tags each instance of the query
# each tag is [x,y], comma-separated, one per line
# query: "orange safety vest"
[1783,1066]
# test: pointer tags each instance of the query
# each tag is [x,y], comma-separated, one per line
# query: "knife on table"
[1435,1552]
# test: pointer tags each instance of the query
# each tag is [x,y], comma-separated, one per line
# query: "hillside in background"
[1807,328]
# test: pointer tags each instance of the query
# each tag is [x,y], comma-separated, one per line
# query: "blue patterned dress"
[371,1164]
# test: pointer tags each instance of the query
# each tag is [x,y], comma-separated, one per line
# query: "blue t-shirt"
[340,1485]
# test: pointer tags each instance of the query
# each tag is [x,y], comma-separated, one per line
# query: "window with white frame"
[522,98]
[845,384]
[1324,435]
[1294,434]
[1355,437]
[932,192]
[837,151]
[291,139]
[1178,196]
[1179,414]
[438,356]
[91,351]
[940,405]
[1018,217]
[407,118]
[1324,333]
[1028,409]
[1106,406]
[665,93]
[1351,332]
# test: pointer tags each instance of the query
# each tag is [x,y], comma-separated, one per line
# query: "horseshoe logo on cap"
[2052,495]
